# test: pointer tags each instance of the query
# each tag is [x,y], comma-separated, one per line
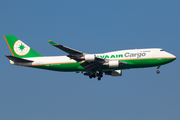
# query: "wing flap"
[89,66]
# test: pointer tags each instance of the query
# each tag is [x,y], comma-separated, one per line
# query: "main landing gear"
[158,71]
[98,74]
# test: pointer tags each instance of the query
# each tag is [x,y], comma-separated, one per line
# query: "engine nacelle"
[90,58]
[113,64]
[114,73]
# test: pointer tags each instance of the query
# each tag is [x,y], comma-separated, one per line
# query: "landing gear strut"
[99,75]
[158,71]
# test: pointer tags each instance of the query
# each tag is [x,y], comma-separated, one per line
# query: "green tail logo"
[18,48]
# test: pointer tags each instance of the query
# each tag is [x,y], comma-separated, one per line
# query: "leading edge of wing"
[65,49]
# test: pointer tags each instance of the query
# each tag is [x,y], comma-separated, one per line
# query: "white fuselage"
[116,55]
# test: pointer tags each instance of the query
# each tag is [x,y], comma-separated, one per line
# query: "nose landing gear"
[158,71]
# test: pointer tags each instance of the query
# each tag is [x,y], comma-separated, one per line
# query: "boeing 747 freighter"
[92,65]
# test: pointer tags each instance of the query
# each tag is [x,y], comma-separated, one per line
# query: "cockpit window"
[161,50]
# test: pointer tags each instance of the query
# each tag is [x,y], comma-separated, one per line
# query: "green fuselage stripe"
[131,63]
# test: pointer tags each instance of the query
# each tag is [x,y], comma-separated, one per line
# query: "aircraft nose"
[173,56]
[170,57]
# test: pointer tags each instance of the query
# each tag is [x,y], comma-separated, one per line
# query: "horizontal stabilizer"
[16,59]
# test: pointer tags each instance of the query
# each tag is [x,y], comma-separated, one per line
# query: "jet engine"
[90,58]
[114,73]
[113,64]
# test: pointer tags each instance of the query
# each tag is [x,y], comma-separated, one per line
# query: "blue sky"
[94,26]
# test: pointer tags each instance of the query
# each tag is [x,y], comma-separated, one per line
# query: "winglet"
[51,42]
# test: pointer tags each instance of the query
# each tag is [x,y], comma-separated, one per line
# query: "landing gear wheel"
[157,71]
[99,78]
[90,77]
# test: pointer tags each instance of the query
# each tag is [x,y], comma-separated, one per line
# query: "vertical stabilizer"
[18,48]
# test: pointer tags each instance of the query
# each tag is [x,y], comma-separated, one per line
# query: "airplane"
[92,65]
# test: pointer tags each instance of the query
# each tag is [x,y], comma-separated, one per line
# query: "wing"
[65,49]
[73,54]
[80,56]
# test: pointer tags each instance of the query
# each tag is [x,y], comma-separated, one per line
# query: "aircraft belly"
[140,63]
[62,67]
